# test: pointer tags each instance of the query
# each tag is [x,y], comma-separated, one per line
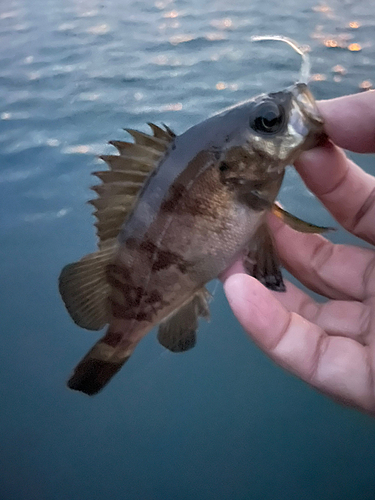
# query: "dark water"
[221,421]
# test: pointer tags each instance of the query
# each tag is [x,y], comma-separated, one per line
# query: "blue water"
[218,422]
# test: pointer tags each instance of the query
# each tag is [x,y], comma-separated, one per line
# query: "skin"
[331,346]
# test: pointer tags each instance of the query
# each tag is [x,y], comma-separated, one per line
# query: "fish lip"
[307,104]
[312,121]
[314,139]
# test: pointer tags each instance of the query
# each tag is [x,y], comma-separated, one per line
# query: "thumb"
[290,340]
[259,312]
[336,365]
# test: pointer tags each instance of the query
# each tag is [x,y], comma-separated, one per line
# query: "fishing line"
[305,65]
[214,290]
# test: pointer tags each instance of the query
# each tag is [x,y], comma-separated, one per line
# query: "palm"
[330,345]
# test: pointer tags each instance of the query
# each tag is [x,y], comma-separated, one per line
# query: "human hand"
[331,345]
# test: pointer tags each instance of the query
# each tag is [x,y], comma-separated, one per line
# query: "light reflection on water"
[220,421]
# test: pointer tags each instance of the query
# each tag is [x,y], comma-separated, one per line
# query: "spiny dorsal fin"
[117,188]
[84,289]
[145,140]
[170,132]
[134,149]
[134,163]
[159,133]
[123,182]
[178,332]
[108,176]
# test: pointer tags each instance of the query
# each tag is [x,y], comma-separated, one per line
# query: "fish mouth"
[308,121]
[306,103]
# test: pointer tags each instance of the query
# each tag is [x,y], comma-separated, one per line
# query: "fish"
[175,211]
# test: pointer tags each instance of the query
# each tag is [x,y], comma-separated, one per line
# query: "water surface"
[220,421]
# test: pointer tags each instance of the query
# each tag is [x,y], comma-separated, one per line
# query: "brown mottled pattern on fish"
[202,207]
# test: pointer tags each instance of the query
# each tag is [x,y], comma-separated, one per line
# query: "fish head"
[282,125]
[268,133]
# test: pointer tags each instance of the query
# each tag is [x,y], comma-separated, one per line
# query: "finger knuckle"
[366,211]
[321,256]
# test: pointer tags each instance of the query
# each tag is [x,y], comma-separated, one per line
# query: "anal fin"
[262,260]
[178,331]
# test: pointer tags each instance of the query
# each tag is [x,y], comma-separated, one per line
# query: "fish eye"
[268,118]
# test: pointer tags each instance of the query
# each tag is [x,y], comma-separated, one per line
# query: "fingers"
[235,268]
[335,271]
[350,121]
[336,365]
[350,319]
[343,187]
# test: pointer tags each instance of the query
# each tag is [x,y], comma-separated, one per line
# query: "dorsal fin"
[108,176]
[159,133]
[145,140]
[83,285]
[134,149]
[122,183]
[135,163]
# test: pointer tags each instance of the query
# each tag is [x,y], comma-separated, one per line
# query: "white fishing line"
[305,66]
[217,282]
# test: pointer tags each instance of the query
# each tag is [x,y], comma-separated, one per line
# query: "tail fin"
[101,363]
[91,375]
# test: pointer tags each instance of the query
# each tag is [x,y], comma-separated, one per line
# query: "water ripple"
[80,72]
[73,73]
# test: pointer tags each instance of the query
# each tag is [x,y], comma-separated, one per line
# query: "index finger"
[350,121]
[342,186]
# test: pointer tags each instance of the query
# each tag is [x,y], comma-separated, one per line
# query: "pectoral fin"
[178,332]
[298,224]
[262,261]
